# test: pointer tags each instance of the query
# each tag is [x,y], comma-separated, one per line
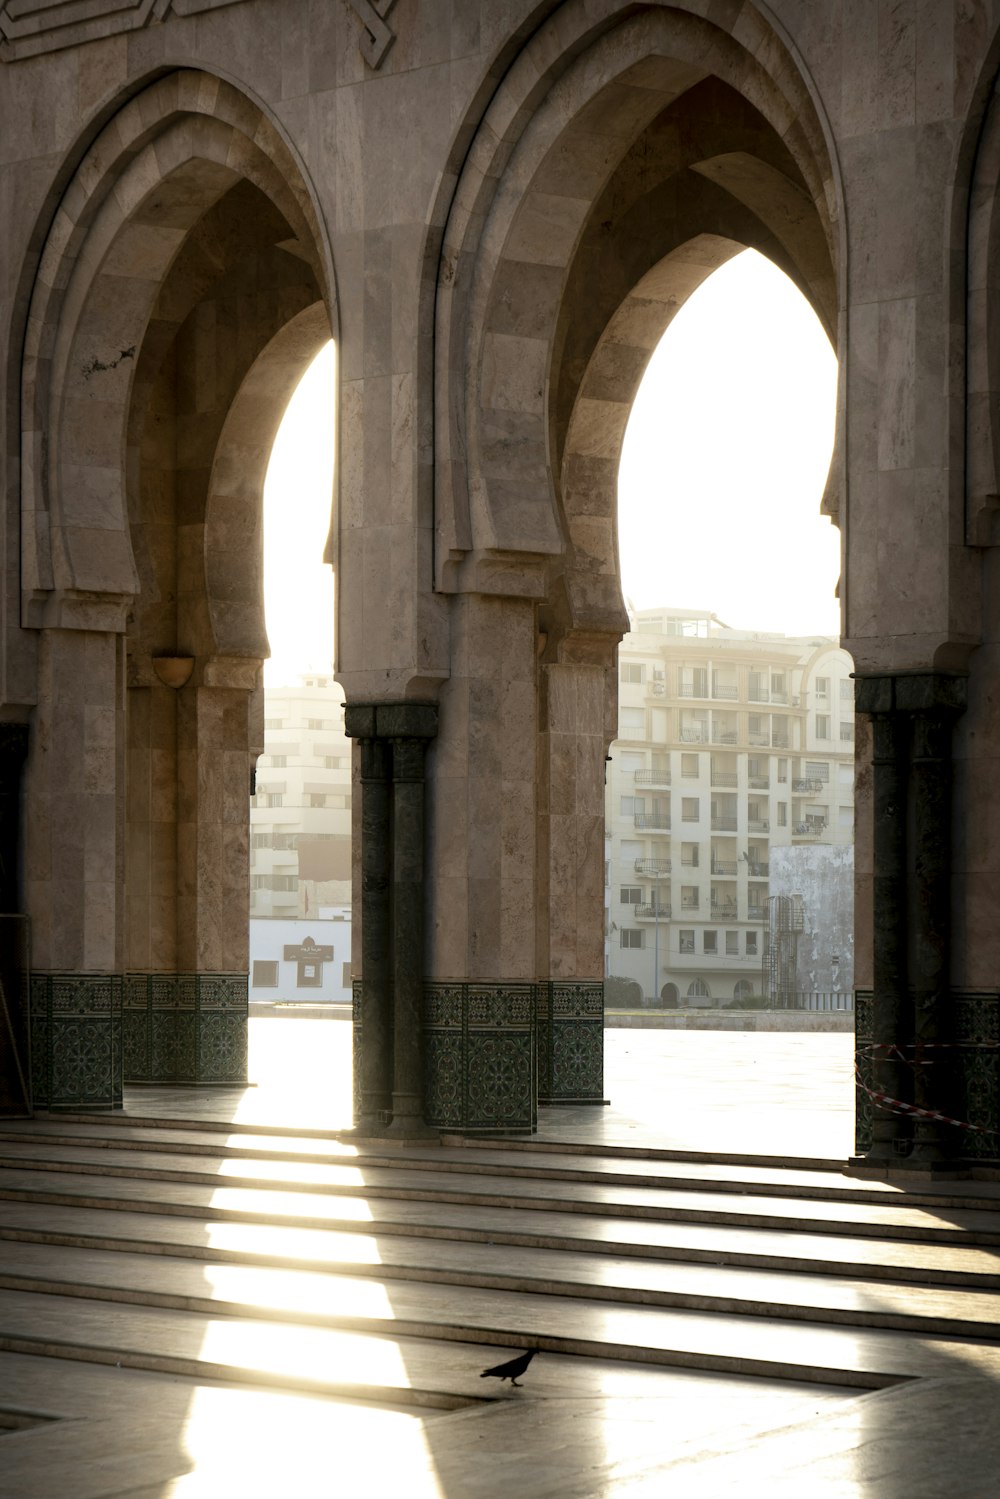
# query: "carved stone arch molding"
[171,153]
[978,237]
[587,135]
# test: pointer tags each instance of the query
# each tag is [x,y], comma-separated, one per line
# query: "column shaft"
[376,999]
[891,1020]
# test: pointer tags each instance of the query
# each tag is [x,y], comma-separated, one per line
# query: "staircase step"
[821,1297]
[698,1243]
[112,1317]
[891,1220]
[681,1174]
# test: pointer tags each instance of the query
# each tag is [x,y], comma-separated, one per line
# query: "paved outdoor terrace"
[212,1294]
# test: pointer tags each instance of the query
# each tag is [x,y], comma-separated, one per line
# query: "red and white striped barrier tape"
[898,1106]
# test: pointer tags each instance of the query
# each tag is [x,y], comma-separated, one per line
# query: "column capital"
[934,692]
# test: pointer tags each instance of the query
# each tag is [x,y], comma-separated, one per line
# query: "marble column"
[912,1060]
[410,725]
[375,1040]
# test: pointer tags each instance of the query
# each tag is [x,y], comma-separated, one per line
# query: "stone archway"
[182,289]
[618,164]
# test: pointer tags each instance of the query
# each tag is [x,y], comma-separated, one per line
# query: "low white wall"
[269,936]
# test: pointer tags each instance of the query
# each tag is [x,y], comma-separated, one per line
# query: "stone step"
[822,1296]
[890,1220]
[954,1264]
[862,1359]
[682,1173]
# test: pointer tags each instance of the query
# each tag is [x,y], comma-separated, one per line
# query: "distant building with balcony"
[300,814]
[730,744]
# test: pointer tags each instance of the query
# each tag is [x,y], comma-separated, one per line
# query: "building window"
[822,725]
[315,799]
[689,855]
[260,840]
[822,686]
[632,723]
[777,681]
[732,944]
[632,671]
[687,940]
[782,770]
[846,690]
[345,978]
[277,760]
[846,816]
[689,897]
[818,770]
[310,975]
[689,809]
[782,814]
[273,799]
[751,944]
[847,730]
[742,989]
[265,974]
[630,895]
[710,942]
[631,936]
[274,723]
[698,989]
[689,766]
[630,805]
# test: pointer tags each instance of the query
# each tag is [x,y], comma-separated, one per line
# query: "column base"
[569,1015]
[188,1028]
[75,1024]
[973,1094]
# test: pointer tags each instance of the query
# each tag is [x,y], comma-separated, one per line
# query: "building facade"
[730,744]
[300,810]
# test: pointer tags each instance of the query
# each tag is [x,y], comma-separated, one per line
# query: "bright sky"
[721,478]
[298,584]
[726,456]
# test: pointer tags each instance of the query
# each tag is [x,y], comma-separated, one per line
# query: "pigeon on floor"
[512,1368]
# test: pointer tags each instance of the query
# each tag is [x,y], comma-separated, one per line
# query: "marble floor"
[213,1294]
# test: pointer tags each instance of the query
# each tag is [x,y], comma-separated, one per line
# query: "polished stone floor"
[782,1094]
[212,1294]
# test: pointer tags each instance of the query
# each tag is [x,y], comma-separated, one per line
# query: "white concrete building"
[293,960]
[730,744]
[300,817]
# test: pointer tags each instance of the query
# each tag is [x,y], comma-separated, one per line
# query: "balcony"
[780,741]
[725,824]
[653,912]
[758,871]
[778,697]
[811,828]
[759,783]
[807,788]
[690,903]
[696,735]
[724,691]
[652,777]
[724,910]
[759,738]
[692,689]
[759,825]
[756,913]
[723,736]
[724,777]
[653,822]
[653,867]
[724,868]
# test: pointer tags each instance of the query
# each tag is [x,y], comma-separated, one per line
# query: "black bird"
[512,1368]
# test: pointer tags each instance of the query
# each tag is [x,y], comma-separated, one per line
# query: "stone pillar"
[390,1085]
[934,1032]
[74,870]
[890,1074]
[907,1056]
[410,725]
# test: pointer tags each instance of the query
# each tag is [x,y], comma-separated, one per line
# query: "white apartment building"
[730,744]
[300,815]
